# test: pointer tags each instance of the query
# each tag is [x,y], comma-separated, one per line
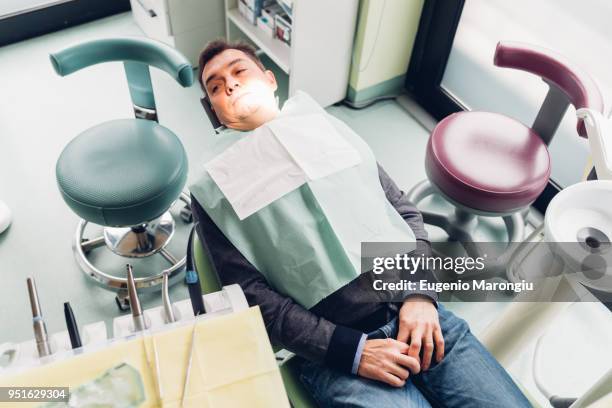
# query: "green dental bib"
[307,243]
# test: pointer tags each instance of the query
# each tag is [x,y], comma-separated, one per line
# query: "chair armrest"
[133,49]
[578,86]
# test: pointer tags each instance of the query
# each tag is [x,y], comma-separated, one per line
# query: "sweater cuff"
[343,347]
[358,354]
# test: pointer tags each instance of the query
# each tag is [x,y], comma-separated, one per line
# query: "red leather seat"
[487,161]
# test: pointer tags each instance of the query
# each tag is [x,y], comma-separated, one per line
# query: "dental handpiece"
[137,315]
[168,312]
[40,330]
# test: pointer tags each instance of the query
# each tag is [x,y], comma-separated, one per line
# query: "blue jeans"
[467,376]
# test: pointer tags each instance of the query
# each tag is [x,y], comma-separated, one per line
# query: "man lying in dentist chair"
[283,201]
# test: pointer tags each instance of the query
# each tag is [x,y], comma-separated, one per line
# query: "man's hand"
[386,360]
[418,321]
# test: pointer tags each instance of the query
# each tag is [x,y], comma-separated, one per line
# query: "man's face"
[237,88]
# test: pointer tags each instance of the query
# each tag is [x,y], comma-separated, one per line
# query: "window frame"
[57,16]
[432,48]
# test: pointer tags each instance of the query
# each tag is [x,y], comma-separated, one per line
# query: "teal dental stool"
[125,174]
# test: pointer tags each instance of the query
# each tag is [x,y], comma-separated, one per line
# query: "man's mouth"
[237,98]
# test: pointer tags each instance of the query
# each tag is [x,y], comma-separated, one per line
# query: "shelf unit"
[319,58]
[278,51]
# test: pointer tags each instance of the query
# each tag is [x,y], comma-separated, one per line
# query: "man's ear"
[271,78]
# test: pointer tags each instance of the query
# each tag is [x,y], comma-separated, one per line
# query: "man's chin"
[243,112]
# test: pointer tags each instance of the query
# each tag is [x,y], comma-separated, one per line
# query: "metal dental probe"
[137,316]
[168,312]
[40,330]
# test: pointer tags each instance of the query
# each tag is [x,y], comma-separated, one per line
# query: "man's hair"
[216,47]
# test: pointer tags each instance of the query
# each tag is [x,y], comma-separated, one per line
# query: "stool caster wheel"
[123,301]
[186,214]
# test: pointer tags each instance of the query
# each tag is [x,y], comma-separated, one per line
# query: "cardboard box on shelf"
[252,9]
[270,11]
[266,26]
[247,12]
[282,27]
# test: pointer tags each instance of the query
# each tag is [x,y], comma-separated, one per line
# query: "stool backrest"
[137,54]
[576,85]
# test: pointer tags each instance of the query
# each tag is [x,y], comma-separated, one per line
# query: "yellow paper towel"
[233,364]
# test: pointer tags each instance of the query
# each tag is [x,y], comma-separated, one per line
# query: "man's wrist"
[424,297]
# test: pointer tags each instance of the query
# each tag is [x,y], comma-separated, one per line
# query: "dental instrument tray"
[193,360]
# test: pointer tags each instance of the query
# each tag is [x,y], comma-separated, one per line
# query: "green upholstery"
[290,369]
[137,53]
[298,395]
[201,262]
[122,172]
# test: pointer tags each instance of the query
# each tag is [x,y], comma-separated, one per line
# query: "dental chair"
[125,174]
[488,164]
[288,362]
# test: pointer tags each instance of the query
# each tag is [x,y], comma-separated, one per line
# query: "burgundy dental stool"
[488,164]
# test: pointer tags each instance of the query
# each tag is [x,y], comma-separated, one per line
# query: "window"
[13,7]
[452,65]
[581,31]
[22,19]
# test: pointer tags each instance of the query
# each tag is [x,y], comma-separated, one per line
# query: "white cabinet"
[319,58]
[186,25]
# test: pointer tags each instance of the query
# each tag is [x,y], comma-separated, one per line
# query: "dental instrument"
[195,292]
[193,281]
[599,131]
[160,393]
[154,365]
[188,371]
[168,312]
[73,329]
[139,324]
[40,329]
[138,319]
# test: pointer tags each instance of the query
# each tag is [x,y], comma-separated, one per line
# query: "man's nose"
[232,85]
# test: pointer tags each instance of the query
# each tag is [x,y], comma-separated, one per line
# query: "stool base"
[460,227]
[140,241]
[125,241]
